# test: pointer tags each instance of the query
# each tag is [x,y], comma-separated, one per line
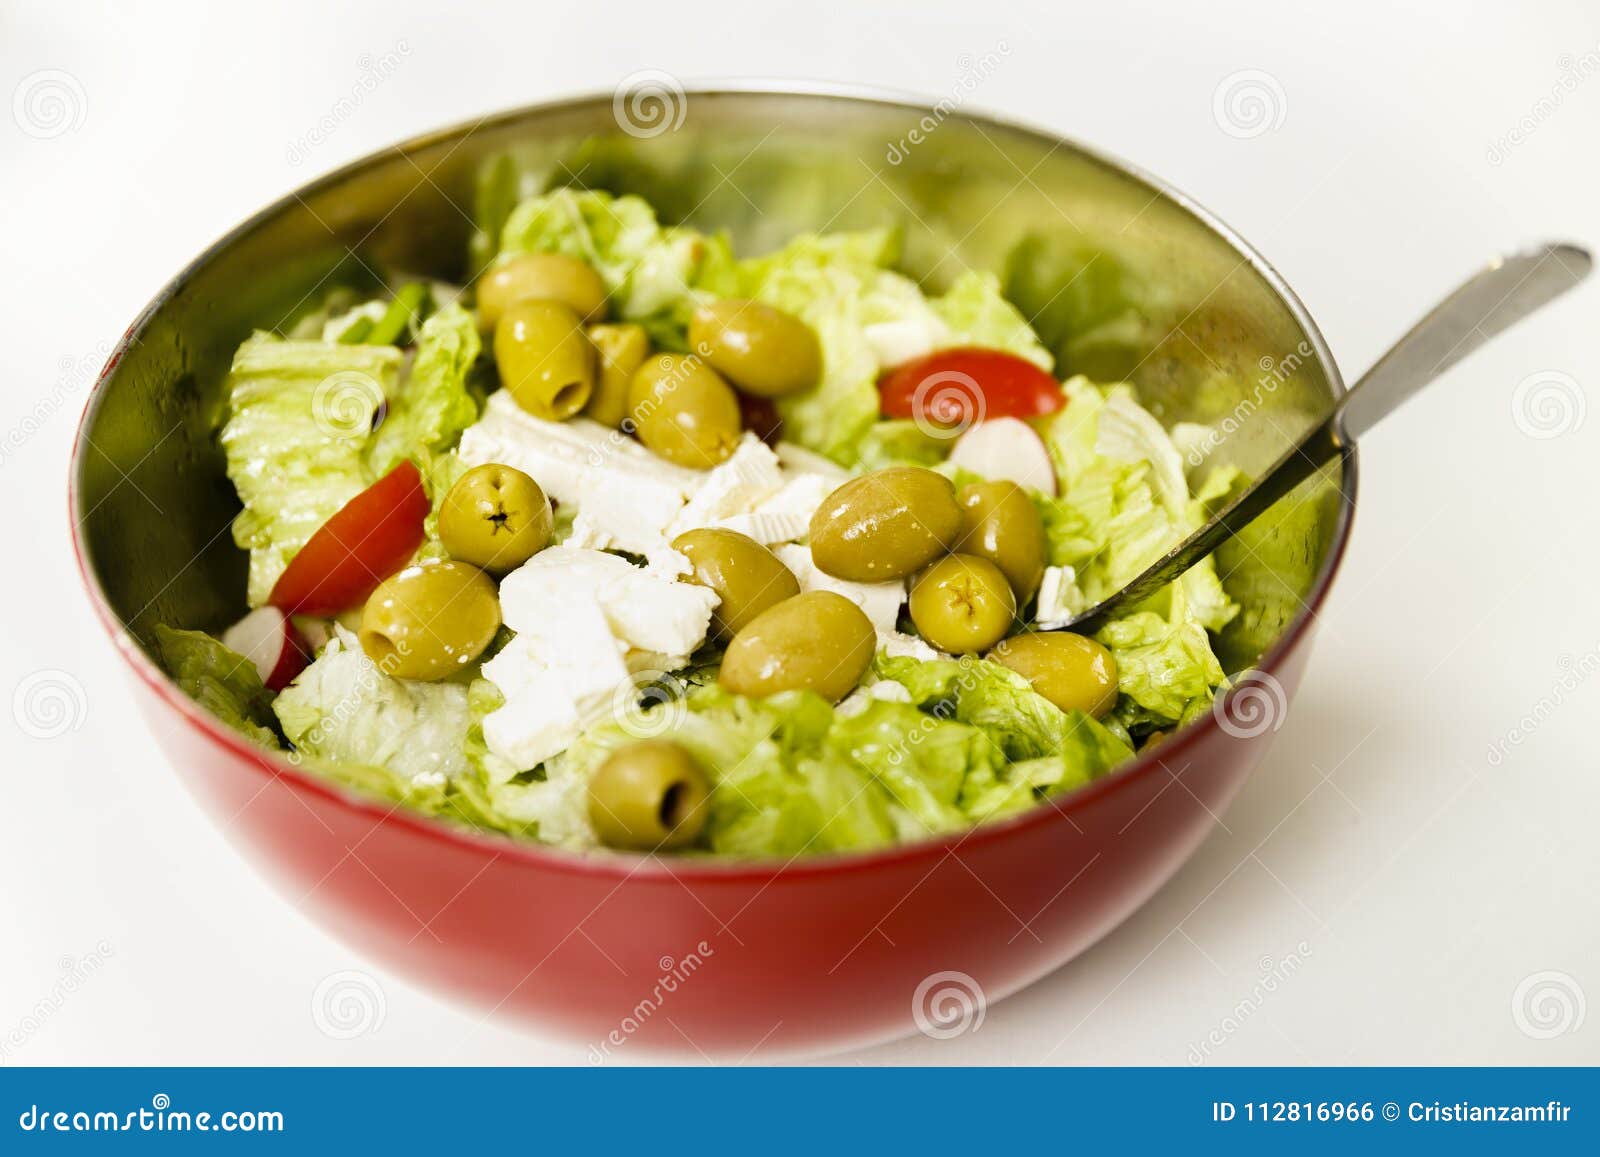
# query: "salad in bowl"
[639,543]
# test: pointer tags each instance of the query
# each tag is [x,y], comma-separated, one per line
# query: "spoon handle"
[1490,301]
[1493,300]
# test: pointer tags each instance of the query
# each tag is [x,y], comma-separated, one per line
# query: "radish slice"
[1006,449]
[265,637]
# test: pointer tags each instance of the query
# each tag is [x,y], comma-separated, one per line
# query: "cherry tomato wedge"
[367,540]
[956,387]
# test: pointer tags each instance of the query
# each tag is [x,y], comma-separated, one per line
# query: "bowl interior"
[1124,280]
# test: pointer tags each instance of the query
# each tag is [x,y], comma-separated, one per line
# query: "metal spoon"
[1492,300]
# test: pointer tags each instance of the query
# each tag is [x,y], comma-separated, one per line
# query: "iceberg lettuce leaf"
[432,403]
[344,708]
[300,416]
[222,681]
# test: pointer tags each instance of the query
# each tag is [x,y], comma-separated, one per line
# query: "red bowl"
[695,955]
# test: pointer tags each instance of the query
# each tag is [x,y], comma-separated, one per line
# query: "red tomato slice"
[367,540]
[957,387]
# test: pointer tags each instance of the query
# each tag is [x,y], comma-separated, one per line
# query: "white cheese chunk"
[879,601]
[627,495]
[643,609]
[799,460]
[894,342]
[558,674]
[768,529]
[1059,598]
[786,515]
[898,645]
[586,624]
[751,475]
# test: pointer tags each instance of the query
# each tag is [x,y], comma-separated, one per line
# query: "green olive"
[885,525]
[546,360]
[429,621]
[762,350]
[818,641]
[999,522]
[962,604]
[683,410]
[495,517]
[623,349]
[1072,671]
[650,794]
[548,276]
[747,577]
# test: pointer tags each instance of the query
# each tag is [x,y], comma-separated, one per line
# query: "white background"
[1415,884]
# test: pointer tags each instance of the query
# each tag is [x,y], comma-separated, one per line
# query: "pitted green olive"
[622,350]
[762,350]
[495,517]
[547,276]
[649,794]
[546,360]
[683,410]
[746,576]
[818,641]
[1073,672]
[962,604]
[885,525]
[999,522]
[429,621]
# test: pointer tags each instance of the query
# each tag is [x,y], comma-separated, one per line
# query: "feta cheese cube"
[898,645]
[879,601]
[627,495]
[749,476]
[558,675]
[643,609]
[1059,598]
[894,342]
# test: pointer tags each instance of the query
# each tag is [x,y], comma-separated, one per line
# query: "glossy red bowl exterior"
[629,953]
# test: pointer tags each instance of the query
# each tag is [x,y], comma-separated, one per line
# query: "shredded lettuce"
[300,438]
[1124,503]
[222,681]
[300,416]
[432,404]
[344,708]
